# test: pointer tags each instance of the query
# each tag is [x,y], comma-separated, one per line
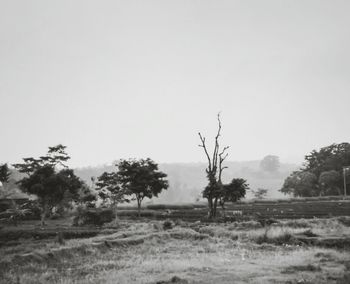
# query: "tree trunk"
[215,206]
[223,209]
[210,205]
[43,215]
[115,209]
[138,207]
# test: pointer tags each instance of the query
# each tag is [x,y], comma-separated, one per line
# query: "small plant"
[309,233]
[283,239]
[167,225]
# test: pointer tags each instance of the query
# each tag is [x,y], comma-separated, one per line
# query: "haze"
[120,79]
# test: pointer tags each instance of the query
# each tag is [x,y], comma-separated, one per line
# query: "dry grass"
[143,252]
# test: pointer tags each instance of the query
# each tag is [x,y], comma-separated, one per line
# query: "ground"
[146,251]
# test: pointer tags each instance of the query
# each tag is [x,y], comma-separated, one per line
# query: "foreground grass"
[142,252]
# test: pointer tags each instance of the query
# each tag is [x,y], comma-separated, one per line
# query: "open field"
[151,251]
[293,208]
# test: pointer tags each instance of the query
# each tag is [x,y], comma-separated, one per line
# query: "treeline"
[57,187]
[325,172]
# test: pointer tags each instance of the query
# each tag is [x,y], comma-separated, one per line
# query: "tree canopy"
[110,190]
[56,156]
[50,179]
[141,178]
[4,173]
[322,173]
[270,163]
[233,191]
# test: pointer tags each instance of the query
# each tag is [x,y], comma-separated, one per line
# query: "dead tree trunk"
[214,170]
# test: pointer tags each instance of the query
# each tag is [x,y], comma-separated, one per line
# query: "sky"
[121,79]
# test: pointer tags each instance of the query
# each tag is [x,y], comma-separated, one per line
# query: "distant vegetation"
[58,188]
[322,174]
[187,180]
[270,163]
[48,178]
[136,178]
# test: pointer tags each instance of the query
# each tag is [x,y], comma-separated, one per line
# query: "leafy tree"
[109,189]
[4,173]
[141,178]
[233,191]
[260,193]
[270,163]
[301,183]
[324,169]
[214,170]
[51,187]
[333,157]
[56,156]
[50,179]
[4,179]
[331,183]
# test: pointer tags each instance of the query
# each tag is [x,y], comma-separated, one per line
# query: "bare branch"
[221,160]
[223,150]
[205,150]
[217,146]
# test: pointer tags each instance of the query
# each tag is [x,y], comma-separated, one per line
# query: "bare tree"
[214,170]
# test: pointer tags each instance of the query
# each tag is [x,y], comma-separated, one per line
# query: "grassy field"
[144,251]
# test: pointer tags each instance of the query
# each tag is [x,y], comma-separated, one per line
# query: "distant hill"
[187,180]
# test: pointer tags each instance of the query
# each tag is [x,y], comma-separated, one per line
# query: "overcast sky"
[119,79]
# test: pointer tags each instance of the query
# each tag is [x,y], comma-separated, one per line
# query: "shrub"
[301,223]
[345,220]
[167,225]
[282,239]
[96,217]
[309,233]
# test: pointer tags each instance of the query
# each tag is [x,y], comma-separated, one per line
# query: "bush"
[345,220]
[96,217]
[167,225]
[282,239]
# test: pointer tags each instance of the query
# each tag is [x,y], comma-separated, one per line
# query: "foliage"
[109,189]
[87,197]
[168,224]
[333,157]
[15,213]
[270,163]
[96,217]
[141,178]
[50,180]
[301,183]
[56,156]
[322,173]
[260,193]
[4,173]
[233,191]
[331,183]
